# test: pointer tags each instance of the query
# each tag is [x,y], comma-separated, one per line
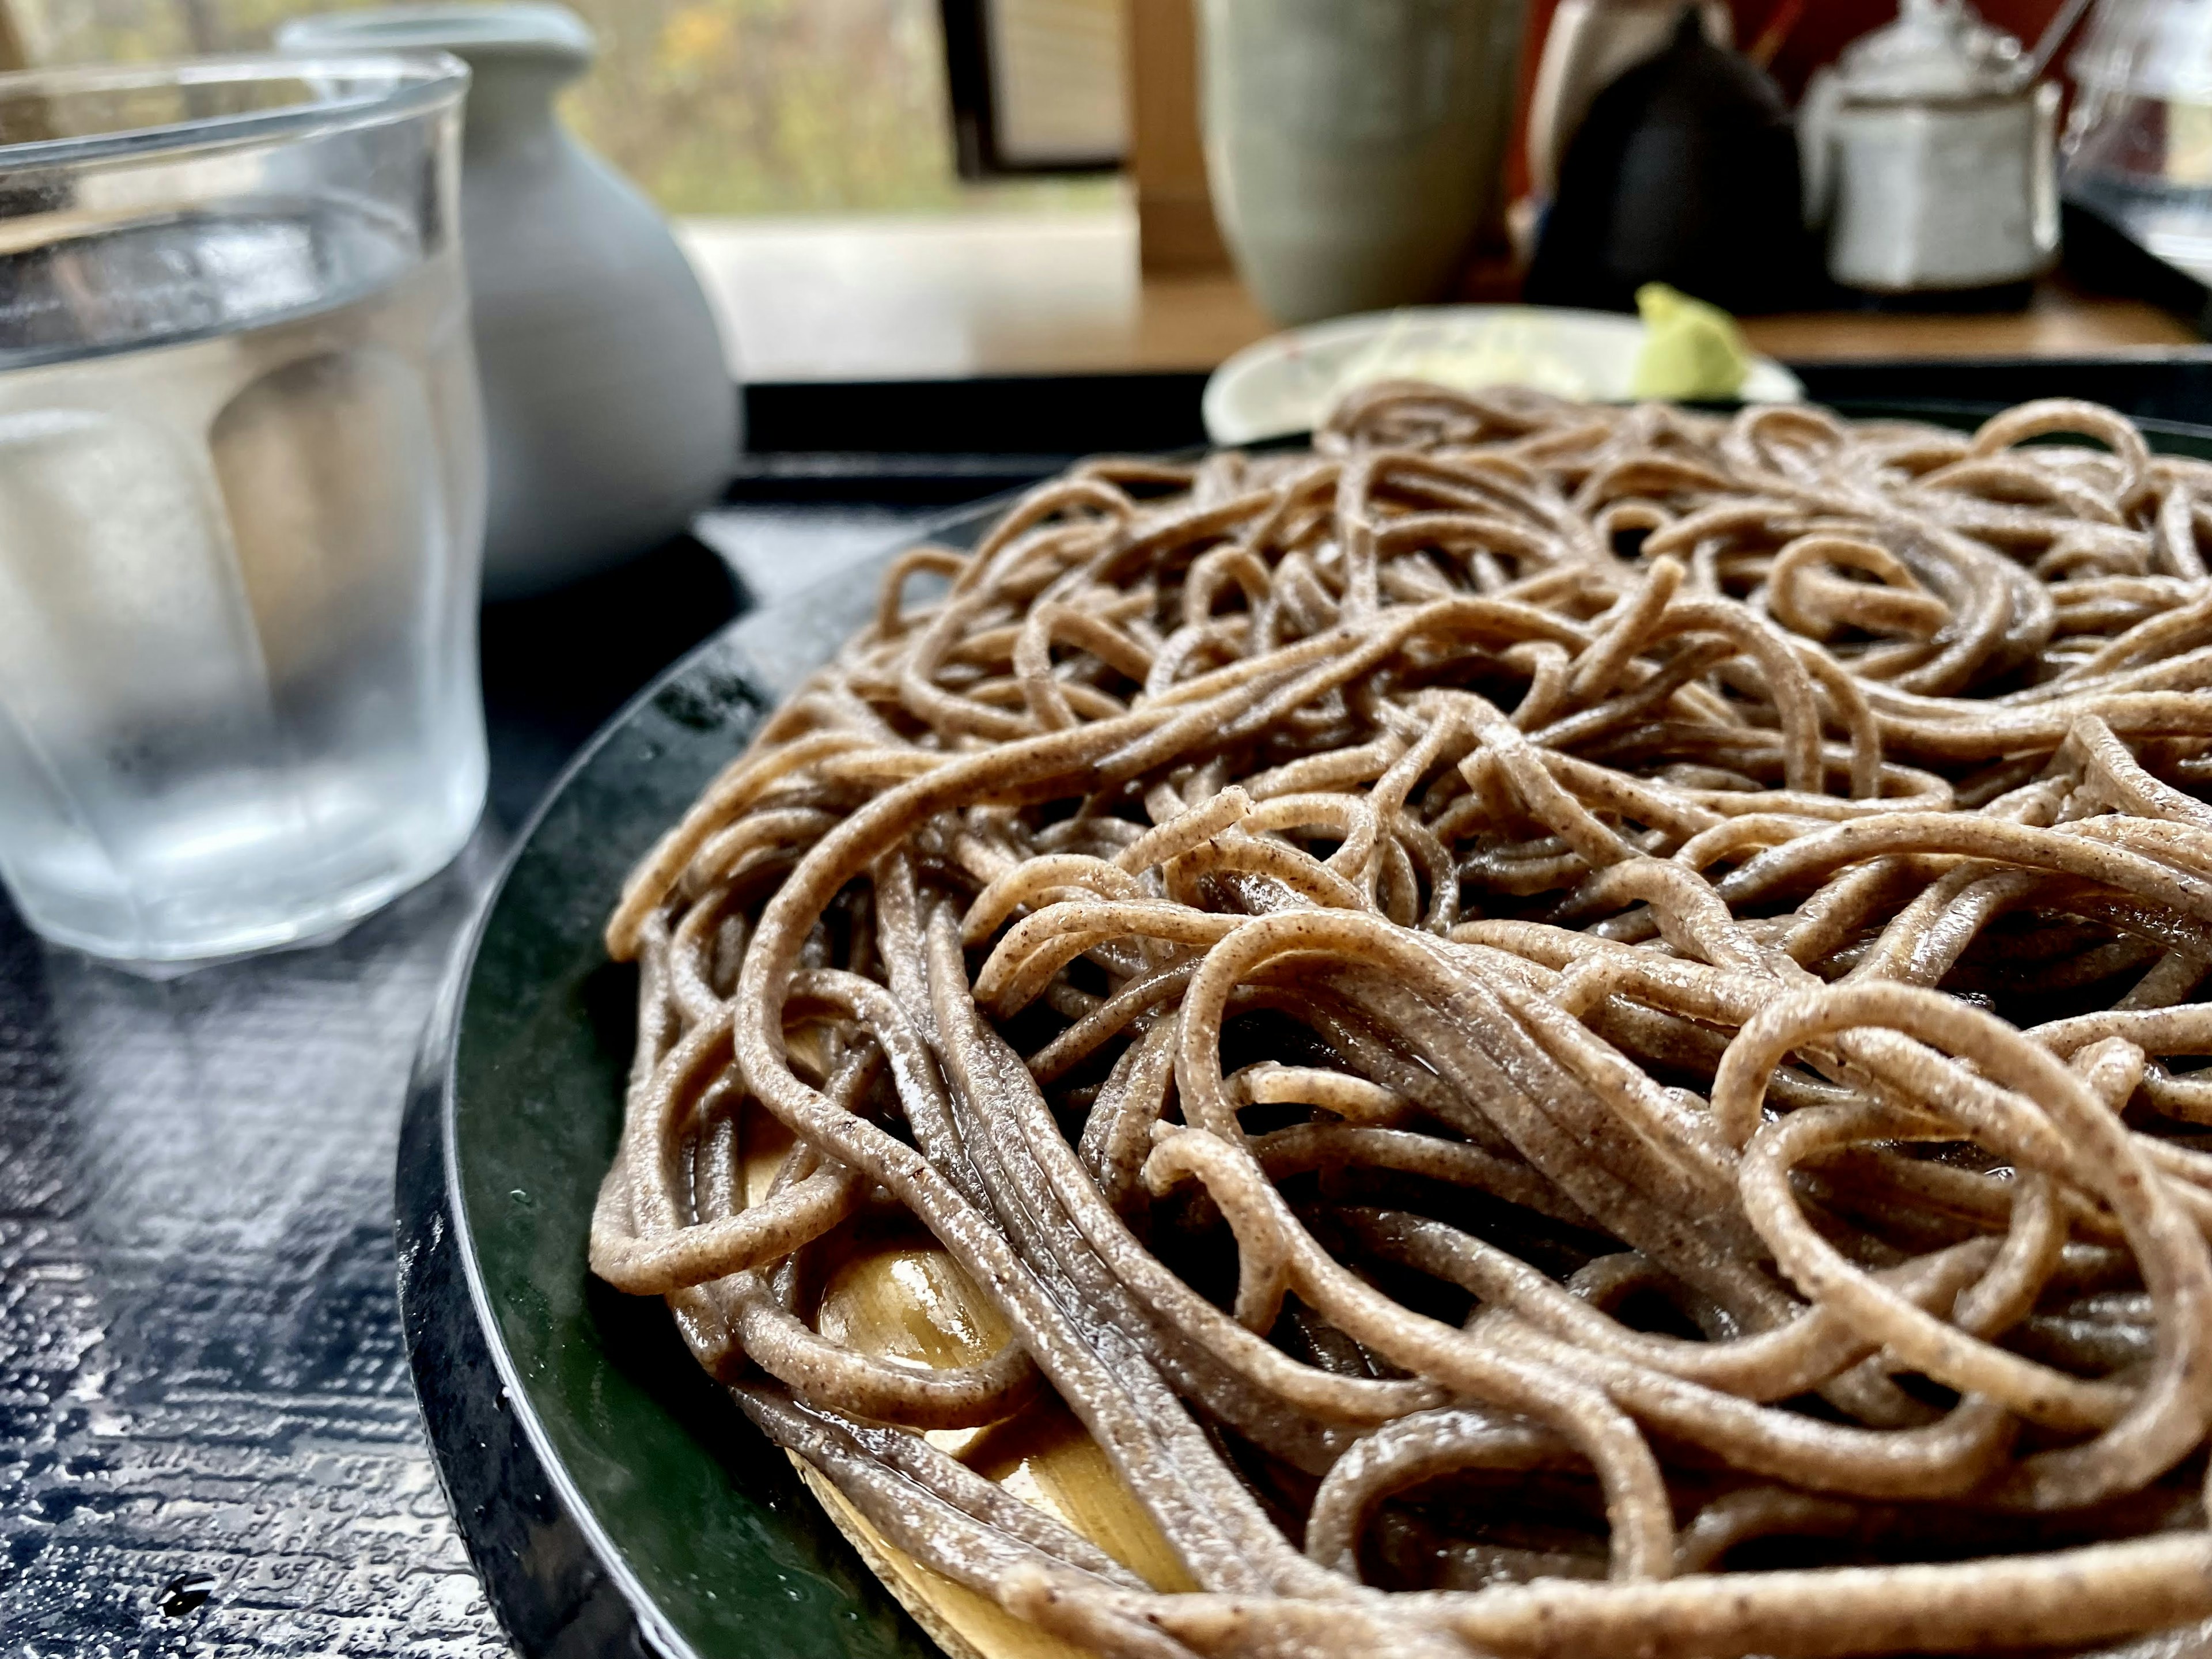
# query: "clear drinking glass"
[2138,149]
[241,500]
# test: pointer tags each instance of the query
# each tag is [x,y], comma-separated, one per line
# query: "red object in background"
[1826,28]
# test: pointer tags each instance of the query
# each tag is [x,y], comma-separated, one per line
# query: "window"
[738,107]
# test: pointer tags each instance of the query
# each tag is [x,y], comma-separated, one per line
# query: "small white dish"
[1284,383]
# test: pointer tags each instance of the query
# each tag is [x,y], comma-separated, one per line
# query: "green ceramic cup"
[1355,148]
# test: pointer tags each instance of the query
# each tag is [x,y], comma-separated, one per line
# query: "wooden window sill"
[977,293]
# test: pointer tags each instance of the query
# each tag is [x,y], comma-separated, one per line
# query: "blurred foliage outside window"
[713,106]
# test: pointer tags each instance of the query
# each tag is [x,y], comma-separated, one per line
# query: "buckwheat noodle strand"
[1565,1030]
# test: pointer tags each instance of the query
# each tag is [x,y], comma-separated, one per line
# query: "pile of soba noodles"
[1568,1030]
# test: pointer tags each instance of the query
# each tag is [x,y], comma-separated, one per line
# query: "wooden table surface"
[2061,321]
[945,297]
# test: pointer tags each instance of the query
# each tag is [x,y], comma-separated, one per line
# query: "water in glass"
[239,507]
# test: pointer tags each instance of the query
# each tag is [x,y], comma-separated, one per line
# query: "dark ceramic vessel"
[1685,171]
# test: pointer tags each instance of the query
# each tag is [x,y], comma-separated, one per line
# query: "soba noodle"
[1567,1030]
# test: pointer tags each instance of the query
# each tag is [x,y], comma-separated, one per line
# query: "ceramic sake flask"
[609,408]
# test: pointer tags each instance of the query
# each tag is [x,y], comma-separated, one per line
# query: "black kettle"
[1683,171]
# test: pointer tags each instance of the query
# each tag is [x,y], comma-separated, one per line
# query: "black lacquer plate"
[612,1498]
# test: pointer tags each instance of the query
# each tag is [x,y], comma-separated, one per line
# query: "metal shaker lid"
[1937,51]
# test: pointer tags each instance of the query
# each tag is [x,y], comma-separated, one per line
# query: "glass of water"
[241,500]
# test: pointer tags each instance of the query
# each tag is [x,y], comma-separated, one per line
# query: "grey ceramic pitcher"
[610,413]
[1355,147]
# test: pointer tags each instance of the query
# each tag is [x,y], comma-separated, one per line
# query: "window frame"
[970,84]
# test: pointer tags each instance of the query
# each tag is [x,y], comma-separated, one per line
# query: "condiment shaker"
[1930,153]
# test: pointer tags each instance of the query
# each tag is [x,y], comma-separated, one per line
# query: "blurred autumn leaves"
[714,107]
[771,106]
